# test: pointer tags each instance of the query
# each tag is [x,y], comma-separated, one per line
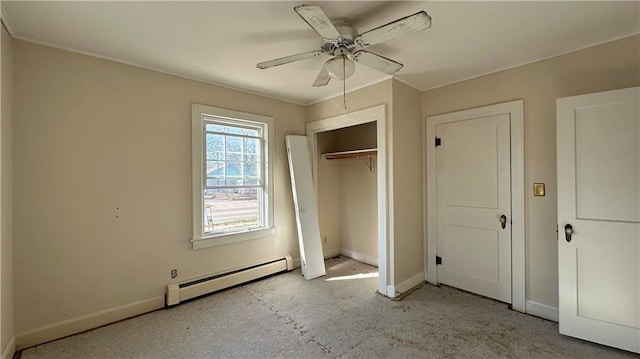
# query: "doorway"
[475,201]
[375,115]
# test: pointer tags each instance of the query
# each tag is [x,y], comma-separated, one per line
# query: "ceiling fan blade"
[416,22]
[318,20]
[323,77]
[288,59]
[377,62]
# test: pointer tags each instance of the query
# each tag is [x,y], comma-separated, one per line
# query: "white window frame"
[198,114]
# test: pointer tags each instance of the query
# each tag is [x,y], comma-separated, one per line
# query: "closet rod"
[351,154]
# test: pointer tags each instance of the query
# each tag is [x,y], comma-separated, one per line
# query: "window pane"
[251,170]
[219,182]
[251,132]
[234,130]
[232,160]
[252,182]
[234,156]
[234,182]
[252,145]
[248,157]
[234,170]
[214,127]
[214,147]
[215,169]
[233,144]
[213,182]
[230,210]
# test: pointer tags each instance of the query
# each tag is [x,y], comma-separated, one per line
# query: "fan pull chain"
[344,83]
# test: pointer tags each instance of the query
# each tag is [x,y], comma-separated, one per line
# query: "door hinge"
[438,260]
[438,141]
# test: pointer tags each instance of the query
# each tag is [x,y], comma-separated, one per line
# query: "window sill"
[222,239]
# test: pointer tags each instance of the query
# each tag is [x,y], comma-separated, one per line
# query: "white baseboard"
[411,282]
[542,311]
[356,256]
[9,349]
[405,286]
[330,253]
[334,252]
[327,253]
[391,292]
[76,325]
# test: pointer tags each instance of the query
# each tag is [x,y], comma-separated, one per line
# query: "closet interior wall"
[347,194]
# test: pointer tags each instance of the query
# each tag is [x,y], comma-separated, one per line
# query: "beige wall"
[371,96]
[358,208]
[407,183]
[610,66]
[102,184]
[359,137]
[328,178]
[358,200]
[6,261]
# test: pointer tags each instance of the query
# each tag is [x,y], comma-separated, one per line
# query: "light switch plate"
[538,189]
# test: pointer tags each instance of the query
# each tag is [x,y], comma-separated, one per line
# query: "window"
[232,178]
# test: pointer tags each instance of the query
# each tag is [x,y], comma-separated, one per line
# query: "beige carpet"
[331,317]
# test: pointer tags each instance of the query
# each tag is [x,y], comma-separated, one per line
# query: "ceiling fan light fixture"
[341,67]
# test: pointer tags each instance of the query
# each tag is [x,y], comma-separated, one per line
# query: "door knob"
[503,221]
[568,231]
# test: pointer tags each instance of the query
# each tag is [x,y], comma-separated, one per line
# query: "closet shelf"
[370,152]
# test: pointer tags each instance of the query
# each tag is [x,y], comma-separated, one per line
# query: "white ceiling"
[221,42]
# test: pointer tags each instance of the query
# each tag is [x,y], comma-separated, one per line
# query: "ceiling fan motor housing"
[345,40]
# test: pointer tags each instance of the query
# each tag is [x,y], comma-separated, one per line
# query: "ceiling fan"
[343,42]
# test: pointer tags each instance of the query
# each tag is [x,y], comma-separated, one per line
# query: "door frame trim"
[515,110]
[375,114]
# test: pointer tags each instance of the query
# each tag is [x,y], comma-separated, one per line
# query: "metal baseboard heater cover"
[179,292]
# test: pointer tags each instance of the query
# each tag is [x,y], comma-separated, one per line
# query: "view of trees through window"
[233,186]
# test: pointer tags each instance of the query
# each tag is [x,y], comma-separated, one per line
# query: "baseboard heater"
[179,292]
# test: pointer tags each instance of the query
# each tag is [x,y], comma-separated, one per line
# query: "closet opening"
[349,171]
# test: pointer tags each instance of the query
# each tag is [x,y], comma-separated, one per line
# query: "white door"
[474,205]
[598,143]
[305,205]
